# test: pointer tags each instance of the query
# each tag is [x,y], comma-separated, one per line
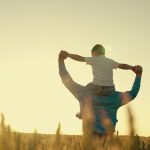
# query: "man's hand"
[65,53]
[62,56]
[137,70]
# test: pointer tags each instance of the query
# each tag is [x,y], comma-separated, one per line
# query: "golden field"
[10,140]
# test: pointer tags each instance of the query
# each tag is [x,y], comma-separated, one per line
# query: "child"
[102,67]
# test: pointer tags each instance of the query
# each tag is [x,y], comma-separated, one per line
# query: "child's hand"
[65,53]
[137,69]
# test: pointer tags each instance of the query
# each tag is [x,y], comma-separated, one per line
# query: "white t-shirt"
[102,68]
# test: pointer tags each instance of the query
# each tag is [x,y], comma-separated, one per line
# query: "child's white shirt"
[102,68]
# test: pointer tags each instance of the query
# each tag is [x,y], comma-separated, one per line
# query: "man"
[102,68]
[104,108]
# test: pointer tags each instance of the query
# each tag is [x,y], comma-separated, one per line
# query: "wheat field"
[11,140]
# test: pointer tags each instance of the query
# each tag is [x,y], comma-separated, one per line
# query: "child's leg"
[96,90]
[93,90]
[79,114]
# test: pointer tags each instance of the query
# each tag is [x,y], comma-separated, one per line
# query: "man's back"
[105,107]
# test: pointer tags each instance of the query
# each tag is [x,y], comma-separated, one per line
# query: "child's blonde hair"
[98,48]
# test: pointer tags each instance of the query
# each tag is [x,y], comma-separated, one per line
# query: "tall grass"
[10,140]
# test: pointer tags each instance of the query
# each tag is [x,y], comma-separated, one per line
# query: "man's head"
[98,50]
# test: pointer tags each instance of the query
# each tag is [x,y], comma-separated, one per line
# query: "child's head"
[98,50]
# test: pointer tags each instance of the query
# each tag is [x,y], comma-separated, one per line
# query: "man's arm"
[136,86]
[77,90]
[125,66]
[130,95]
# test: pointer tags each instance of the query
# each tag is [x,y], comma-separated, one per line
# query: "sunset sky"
[32,32]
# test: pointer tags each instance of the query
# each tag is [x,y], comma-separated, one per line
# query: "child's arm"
[125,66]
[74,56]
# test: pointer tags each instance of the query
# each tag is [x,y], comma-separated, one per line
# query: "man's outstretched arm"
[136,85]
[65,76]
[130,95]
[77,90]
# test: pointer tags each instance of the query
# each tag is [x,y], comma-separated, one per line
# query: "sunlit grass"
[10,140]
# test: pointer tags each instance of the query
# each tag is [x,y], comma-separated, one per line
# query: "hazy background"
[32,32]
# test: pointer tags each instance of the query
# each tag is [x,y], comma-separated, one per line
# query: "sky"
[32,33]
